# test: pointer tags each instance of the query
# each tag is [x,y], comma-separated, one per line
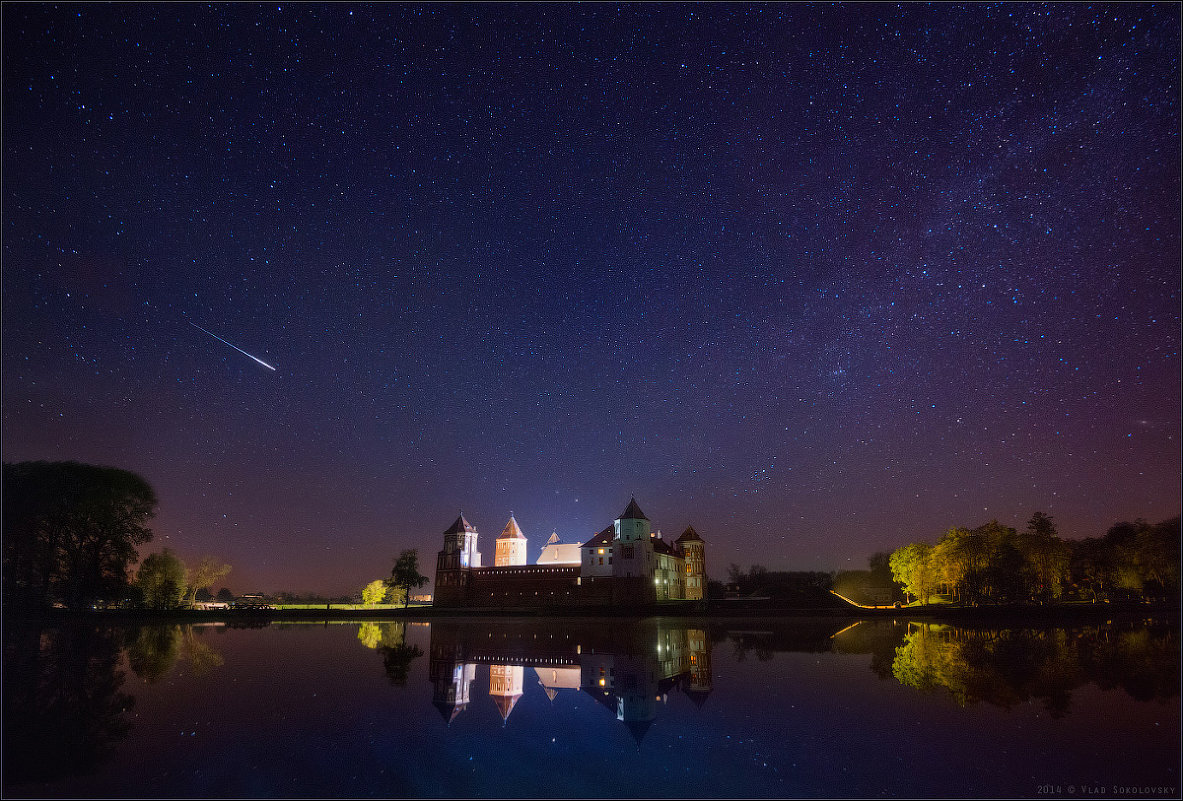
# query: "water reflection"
[630,669]
[757,689]
[153,651]
[1014,665]
[390,639]
[64,705]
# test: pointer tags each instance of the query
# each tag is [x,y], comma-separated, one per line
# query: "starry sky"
[818,280]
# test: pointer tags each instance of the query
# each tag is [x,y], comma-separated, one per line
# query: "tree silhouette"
[161,580]
[71,532]
[405,574]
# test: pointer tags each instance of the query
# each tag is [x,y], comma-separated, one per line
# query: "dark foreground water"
[820,708]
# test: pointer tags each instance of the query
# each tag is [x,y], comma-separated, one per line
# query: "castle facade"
[625,565]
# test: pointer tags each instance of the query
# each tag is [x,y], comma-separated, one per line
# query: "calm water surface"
[577,708]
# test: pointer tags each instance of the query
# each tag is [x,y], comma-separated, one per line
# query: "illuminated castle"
[626,564]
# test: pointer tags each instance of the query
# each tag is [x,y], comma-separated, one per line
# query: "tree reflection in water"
[64,708]
[391,640]
[1007,666]
[153,651]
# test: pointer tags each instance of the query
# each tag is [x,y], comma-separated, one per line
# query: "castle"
[625,565]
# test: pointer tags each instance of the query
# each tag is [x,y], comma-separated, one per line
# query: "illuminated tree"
[911,567]
[952,558]
[208,571]
[405,575]
[374,592]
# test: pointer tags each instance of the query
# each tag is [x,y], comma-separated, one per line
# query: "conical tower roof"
[689,535]
[512,531]
[505,705]
[460,526]
[633,512]
[554,538]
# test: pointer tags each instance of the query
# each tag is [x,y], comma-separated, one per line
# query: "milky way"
[818,280]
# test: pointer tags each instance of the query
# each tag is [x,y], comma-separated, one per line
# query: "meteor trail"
[240,350]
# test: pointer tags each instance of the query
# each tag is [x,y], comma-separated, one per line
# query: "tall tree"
[161,579]
[208,571]
[406,575]
[1046,556]
[71,531]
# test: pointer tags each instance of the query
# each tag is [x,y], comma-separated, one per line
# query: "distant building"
[559,553]
[626,564]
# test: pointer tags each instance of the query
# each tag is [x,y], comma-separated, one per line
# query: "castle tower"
[511,545]
[452,563]
[694,552]
[632,525]
[634,563]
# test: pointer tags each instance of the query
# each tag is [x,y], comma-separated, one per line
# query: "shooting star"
[240,350]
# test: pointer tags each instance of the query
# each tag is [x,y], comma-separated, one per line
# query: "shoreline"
[1036,615]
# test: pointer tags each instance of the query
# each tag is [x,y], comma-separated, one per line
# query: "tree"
[910,566]
[161,579]
[405,574]
[208,571]
[71,531]
[374,592]
[224,595]
[1000,579]
[1156,554]
[1091,567]
[1047,558]
[952,559]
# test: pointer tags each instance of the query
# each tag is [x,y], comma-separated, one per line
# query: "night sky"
[817,280]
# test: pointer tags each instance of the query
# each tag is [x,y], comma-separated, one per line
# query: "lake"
[494,707]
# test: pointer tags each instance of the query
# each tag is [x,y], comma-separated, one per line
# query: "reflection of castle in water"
[631,671]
